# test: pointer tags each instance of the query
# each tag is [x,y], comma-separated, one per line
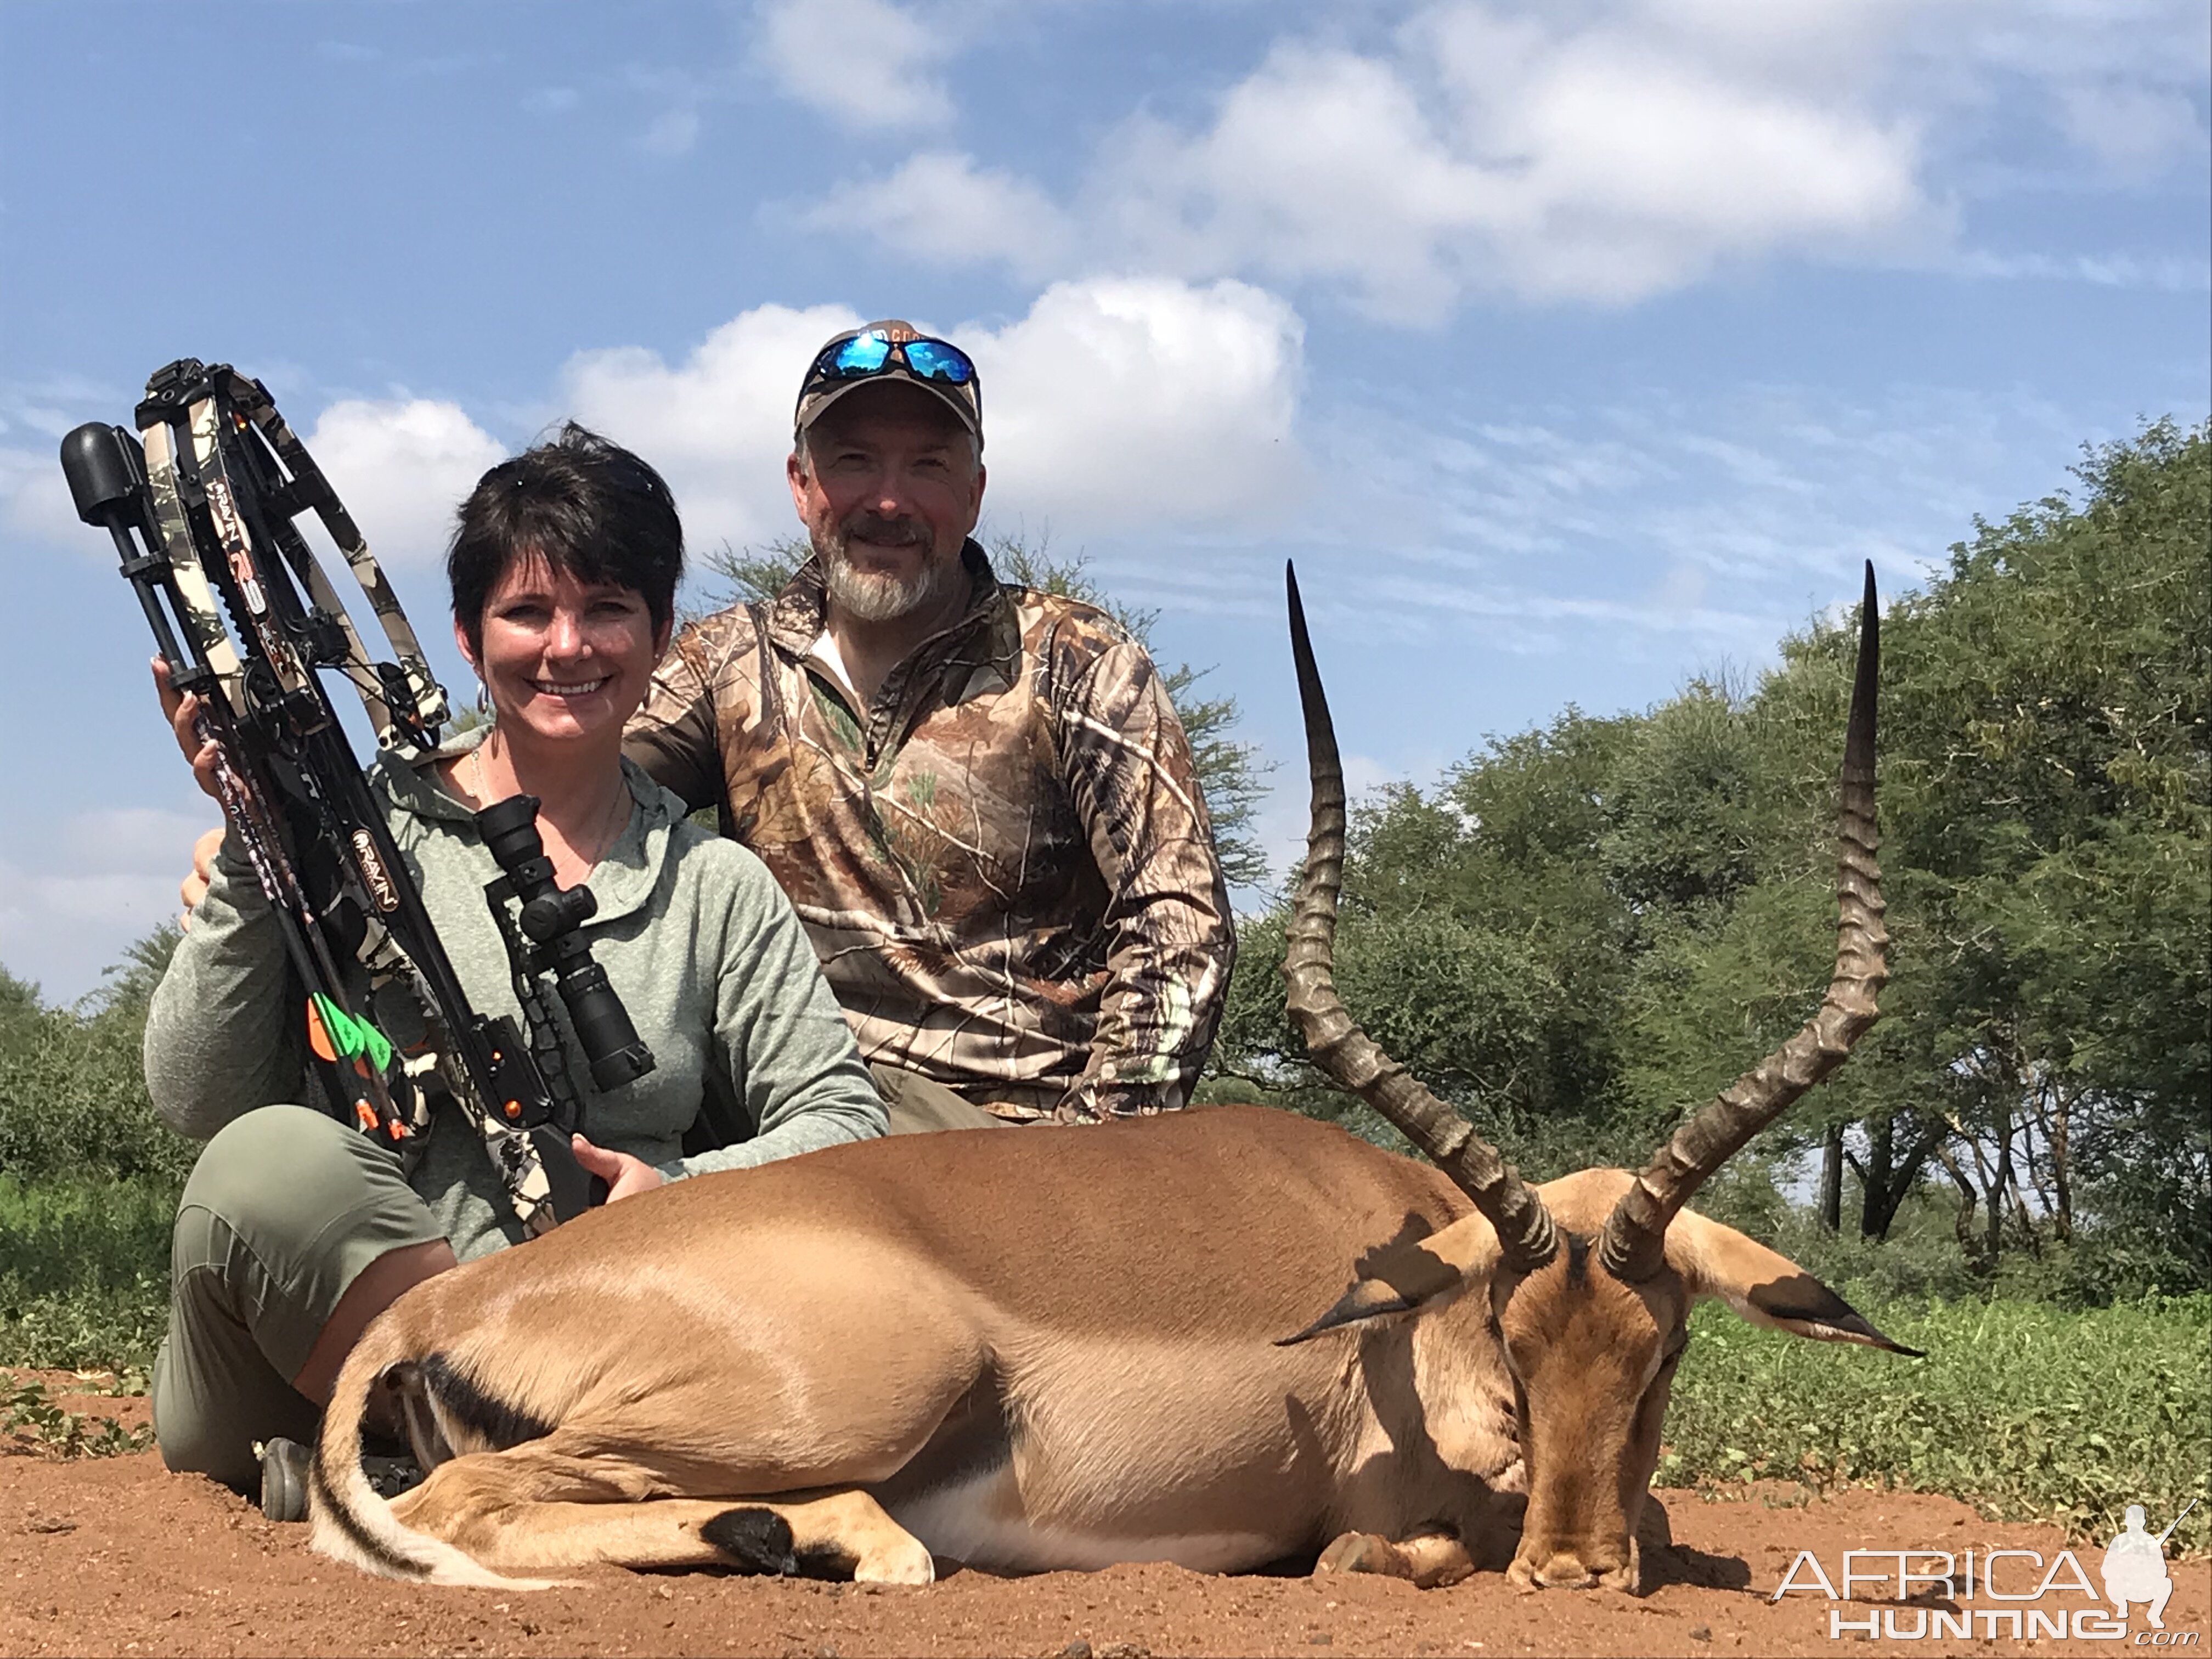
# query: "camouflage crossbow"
[201,505]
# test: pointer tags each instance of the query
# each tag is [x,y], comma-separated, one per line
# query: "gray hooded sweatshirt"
[694,936]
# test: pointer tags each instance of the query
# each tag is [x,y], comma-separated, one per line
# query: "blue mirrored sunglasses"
[870,354]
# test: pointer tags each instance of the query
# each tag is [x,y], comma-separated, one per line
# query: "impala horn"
[1635,1234]
[1344,1053]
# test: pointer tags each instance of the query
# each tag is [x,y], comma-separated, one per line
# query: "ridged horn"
[1343,1052]
[1635,1234]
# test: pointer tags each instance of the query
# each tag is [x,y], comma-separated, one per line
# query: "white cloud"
[35,498]
[106,877]
[1143,403]
[864,63]
[1582,166]
[2167,275]
[34,502]
[402,467]
[717,425]
[1603,152]
[1600,156]
[2133,130]
[943,208]
[1321,165]
[673,132]
[1114,403]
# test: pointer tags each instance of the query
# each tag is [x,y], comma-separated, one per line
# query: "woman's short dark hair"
[586,507]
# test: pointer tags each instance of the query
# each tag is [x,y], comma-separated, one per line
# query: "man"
[976,795]
[2133,1567]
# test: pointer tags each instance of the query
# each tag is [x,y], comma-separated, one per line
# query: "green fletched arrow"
[352,1037]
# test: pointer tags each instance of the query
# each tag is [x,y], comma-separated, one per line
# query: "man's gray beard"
[880,596]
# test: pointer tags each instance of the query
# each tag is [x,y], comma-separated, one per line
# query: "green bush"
[2028,1412]
[89,1177]
[84,1271]
[73,1101]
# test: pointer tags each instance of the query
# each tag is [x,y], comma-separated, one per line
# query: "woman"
[295,1231]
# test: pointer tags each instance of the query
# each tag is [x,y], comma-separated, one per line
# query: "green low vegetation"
[2026,1411]
[84,1272]
[1584,931]
[32,1418]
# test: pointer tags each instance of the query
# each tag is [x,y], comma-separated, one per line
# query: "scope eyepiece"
[105,470]
[509,828]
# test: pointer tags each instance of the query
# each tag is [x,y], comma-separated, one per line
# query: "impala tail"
[352,1521]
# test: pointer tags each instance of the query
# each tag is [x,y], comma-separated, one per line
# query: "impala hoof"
[1363,1551]
[911,1564]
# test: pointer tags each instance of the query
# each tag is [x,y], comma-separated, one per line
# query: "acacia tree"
[1587,929]
[2054,811]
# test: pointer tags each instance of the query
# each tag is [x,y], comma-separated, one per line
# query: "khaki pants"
[917,1105]
[284,1207]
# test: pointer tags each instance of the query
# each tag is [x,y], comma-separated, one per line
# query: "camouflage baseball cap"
[891,349]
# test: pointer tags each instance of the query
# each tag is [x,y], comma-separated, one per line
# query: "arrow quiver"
[204,504]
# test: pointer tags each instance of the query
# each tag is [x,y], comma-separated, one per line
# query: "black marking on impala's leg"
[828,1561]
[757,1540]
[464,1402]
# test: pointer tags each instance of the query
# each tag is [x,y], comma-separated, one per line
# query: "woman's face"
[562,660]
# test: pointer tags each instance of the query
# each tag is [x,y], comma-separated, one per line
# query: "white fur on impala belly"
[979,1522]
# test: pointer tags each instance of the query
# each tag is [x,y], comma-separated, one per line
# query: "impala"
[1063,1348]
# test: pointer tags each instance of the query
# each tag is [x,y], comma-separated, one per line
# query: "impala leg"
[533,1507]
[1428,1559]
[838,1535]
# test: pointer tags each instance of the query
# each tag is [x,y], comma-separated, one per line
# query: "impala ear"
[1410,1271]
[1765,1286]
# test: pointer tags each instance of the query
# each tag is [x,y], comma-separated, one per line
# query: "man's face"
[889,488]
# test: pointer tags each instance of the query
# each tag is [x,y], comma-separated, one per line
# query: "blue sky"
[1571,348]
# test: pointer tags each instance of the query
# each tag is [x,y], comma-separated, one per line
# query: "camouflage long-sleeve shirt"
[1004,861]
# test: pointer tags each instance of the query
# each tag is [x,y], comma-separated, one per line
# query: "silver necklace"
[610,831]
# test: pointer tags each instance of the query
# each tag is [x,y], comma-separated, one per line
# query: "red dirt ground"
[117,1556]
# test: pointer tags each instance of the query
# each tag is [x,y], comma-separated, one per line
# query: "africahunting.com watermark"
[1998,1594]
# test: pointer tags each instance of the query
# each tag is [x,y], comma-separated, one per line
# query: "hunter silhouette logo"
[1995,1593]
[2134,1567]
